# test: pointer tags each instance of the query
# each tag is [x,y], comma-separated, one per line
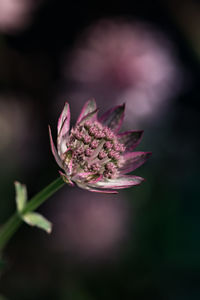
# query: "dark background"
[145,242]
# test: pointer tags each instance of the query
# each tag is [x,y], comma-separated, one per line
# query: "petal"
[130,139]
[96,190]
[54,151]
[113,118]
[63,129]
[92,116]
[62,144]
[120,182]
[64,120]
[102,191]
[133,160]
[89,107]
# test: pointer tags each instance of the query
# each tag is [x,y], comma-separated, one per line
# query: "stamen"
[95,167]
[102,154]
[94,144]
[87,124]
[92,131]
[113,154]
[88,152]
[95,149]
[108,145]
[86,139]
[110,167]
[108,134]
[118,147]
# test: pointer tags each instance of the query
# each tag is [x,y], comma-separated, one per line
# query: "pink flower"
[16,15]
[94,154]
[116,59]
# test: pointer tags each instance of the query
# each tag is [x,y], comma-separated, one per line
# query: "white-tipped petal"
[113,118]
[96,190]
[134,160]
[64,120]
[119,183]
[54,151]
[63,129]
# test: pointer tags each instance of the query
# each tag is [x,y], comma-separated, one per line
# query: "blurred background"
[144,242]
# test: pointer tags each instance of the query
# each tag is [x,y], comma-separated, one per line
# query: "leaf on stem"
[21,196]
[35,219]
[31,218]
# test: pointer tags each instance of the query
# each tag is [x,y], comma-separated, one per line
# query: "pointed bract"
[54,151]
[89,107]
[96,190]
[133,160]
[130,139]
[113,118]
[102,191]
[63,129]
[92,116]
[64,121]
[120,182]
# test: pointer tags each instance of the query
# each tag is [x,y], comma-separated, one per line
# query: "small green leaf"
[21,196]
[35,219]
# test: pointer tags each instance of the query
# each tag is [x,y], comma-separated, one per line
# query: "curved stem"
[8,230]
[11,226]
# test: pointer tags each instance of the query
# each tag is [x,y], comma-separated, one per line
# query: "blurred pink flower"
[127,62]
[15,15]
[94,154]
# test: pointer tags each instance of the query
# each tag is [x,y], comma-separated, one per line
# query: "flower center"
[95,150]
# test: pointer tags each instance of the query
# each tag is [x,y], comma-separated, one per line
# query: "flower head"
[94,154]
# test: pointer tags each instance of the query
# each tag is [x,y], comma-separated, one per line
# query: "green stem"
[11,226]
